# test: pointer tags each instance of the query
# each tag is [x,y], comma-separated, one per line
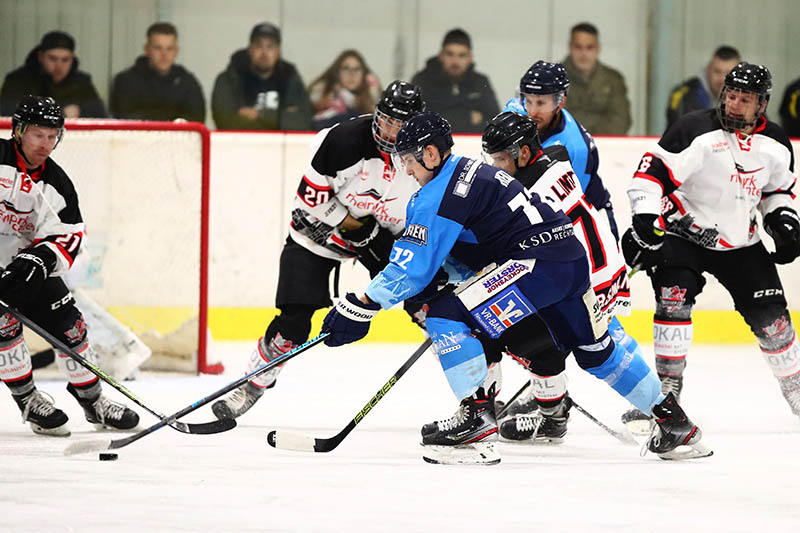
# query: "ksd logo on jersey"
[503,311]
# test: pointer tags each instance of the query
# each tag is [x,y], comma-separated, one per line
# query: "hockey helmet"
[509,132]
[544,78]
[399,102]
[37,111]
[746,77]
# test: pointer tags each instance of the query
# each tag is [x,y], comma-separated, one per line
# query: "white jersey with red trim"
[707,182]
[347,175]
[37,208]
[551,176]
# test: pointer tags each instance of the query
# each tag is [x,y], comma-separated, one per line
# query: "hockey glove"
[24,276]
[373,244]
[348,321]
[783,225]
[641,244]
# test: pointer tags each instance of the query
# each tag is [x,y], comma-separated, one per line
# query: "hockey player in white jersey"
[349,205]
[694,200]
[41,231]
[511,142]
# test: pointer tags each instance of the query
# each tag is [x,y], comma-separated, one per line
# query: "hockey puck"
[109,456]
[271,438]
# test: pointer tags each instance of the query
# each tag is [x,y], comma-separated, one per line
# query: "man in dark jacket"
[51,69]
[790,109]
[452,88]
[155,88]
[259,90]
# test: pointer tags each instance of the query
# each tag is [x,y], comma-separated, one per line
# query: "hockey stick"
[285,440]
[105,444]
[622,437]
[516,395]
[218,426]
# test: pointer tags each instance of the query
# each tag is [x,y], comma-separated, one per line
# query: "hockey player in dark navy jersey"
[469,216]
[41,231]
[695,199]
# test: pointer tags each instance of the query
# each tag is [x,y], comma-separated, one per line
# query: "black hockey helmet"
[750,78]
[399,102]
[421,130]
[544,78]
[37,111]
[509,132]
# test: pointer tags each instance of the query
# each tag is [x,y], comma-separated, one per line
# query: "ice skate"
[238,402]
[537,426]
[468,437]
[39,411]
[674,429]
[105,413]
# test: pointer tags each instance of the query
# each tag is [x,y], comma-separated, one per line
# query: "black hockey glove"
[783,225]
[373,244]
[24,276]
[641,244]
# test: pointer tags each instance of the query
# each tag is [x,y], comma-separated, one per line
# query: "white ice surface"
[376,479]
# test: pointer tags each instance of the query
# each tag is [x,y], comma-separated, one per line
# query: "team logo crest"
[9,326]
[672,297]
[777,327]
[76,332]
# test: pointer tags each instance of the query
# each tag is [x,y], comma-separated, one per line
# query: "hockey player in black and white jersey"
[349,205]
[41,231]
[694,200]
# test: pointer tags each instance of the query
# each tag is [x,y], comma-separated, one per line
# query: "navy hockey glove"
[24,276]
[373,244]
[783,225]
[641,244]
[348,321]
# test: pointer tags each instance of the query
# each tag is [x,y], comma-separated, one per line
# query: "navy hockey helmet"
[746,77]
[544,78]
[509,132]
[421,130]
[399,102]
[37,111]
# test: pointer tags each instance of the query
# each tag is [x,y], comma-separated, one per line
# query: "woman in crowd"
[346,89]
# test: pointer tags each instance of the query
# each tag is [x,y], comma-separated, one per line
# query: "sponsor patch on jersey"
[503,311]
[545,237]
[415,233]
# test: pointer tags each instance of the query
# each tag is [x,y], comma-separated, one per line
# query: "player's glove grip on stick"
[641,244]
[349,320]
[783,225]
[26,274]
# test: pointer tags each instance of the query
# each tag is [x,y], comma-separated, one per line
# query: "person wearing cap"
[598,97]
[155,87]
[51,69]
[452,87]
[259,90]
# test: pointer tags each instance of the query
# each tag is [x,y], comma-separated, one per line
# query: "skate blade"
[61,431]
[537,441]
[468,454]
[682,453]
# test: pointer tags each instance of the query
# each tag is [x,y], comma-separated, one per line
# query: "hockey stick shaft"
[511,400]
[90,446]
[290,441]
[206,428]
[622,437]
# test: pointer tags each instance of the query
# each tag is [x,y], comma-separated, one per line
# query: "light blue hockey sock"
[460,354]
[627,373]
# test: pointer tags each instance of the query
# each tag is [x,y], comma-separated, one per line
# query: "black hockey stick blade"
[105,444]
[622,437]
[286,440]
[205,428]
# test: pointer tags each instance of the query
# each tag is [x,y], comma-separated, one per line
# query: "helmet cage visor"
[732,123]
[385,129]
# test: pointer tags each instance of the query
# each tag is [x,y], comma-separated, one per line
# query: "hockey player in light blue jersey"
[469,215]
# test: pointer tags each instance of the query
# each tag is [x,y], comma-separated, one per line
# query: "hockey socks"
[671,343]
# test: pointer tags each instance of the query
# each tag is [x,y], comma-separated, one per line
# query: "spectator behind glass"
[790,118]
[259,90]
[451,87]
[598,97]
[702,92]
[346,89]
[51,69]
[155,88]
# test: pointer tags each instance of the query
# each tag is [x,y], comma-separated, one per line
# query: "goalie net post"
[169,162]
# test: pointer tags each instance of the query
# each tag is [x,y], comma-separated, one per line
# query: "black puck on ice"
[271,438]
[109,456]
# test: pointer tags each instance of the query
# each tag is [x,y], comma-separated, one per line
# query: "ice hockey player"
[41,231]
[349,205]
[511,142]
[542,271]
[694,199]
